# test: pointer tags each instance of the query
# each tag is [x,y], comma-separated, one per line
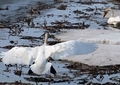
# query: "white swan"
[65,49]
[112,20]
[41,64]
[23,55]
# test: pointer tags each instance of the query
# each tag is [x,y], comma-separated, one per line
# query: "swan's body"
[41,66]
[39,54]
[112,20]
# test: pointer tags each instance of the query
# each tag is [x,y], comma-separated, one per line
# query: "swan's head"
[106,11]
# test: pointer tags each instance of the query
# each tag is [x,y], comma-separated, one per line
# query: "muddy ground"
[72,73]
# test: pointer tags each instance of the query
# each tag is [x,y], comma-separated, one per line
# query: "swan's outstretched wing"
[22,55]
[17,55]
[73,47]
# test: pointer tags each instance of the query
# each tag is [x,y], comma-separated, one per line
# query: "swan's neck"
[46,38]
[112,13]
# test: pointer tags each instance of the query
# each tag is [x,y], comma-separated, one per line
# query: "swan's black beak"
[52,70]
[105,12]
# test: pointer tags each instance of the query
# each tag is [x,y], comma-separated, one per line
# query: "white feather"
[113,20]
[17,55]
[73,47]
[41,66]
